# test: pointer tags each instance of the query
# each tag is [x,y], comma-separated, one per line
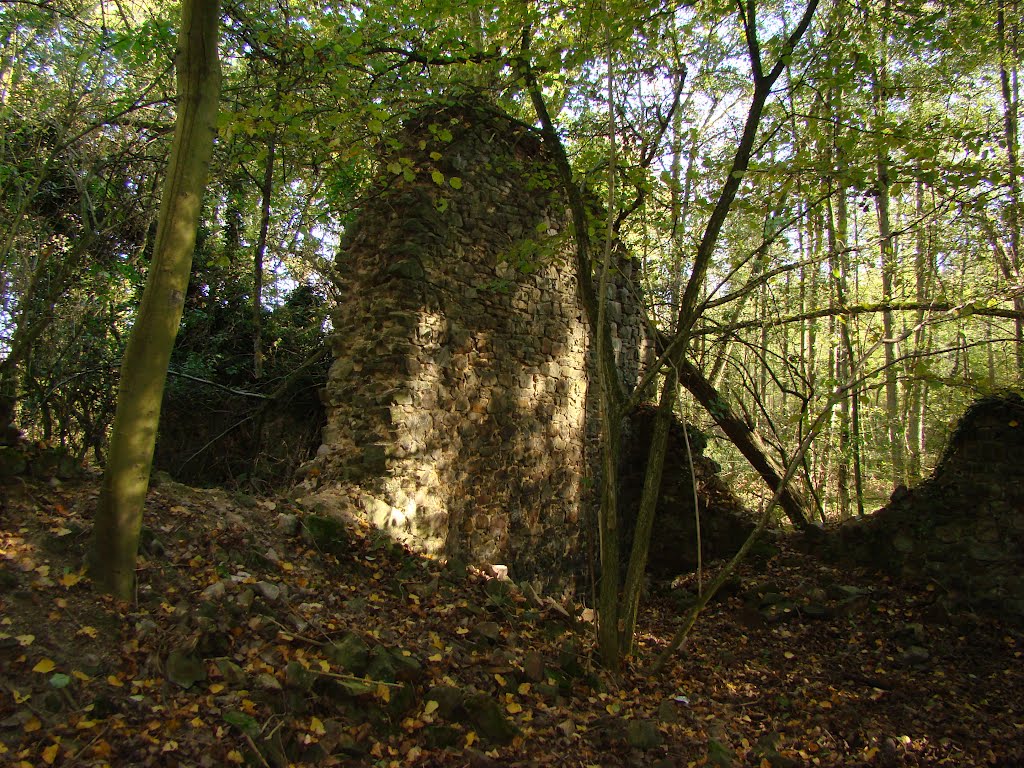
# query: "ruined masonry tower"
[459,400]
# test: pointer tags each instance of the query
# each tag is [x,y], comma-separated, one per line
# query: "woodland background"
[825,204]
[873,243]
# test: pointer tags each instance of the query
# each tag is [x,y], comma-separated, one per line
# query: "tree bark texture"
[146,358]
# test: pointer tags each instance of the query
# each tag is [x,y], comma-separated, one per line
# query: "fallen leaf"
[44,666]
[69,580]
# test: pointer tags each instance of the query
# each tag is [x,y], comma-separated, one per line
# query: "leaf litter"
[265,635]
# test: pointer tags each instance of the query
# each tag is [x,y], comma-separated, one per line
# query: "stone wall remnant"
[962,529]
[458,400]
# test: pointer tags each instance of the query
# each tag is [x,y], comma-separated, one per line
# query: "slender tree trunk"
[144,366]
[645,516]
[266,195]
[746,440]
[893,418]
[915,414]
[1010,91]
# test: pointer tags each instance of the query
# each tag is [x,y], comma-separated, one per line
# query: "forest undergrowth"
[264,635]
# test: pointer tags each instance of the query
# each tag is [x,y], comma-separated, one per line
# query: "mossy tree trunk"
[146,358]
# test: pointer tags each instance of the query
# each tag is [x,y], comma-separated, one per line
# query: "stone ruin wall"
[458,400]
[962,529]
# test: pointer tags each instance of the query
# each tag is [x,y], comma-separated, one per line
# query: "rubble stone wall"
[459,395]
[962,529]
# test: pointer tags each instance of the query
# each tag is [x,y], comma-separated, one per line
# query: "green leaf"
[408,174]
[60,680]
[438,177]
[395,168]
[375,126]
[357,687]
[243,722]
[455,182]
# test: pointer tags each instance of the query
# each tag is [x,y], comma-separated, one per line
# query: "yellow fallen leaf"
[216,688]
[169,746]
[33,725]
[79,675]
[25,640]
[69,580]
[383,693]
[431,707]
[44,666]
[500,679]
[514,708]
[523,688]
[115,681]
[50,753]
[88,631]
[435,657]
[234,756]
[470,738]
[84,725]
[316,726]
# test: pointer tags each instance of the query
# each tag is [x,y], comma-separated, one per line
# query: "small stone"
[215,592]
[288,524]
[489,630]
[185,669]
[486,715]
[815,611]
[449,700]
[533,666]
[668,711]
[233,674]
[267,682]
[914,656]
[298,677]
[270,592]
[351,653]
[643,734]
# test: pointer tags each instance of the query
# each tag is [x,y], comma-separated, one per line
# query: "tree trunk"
[894,422]
[144,366]
[1009,90]
[266,193]
[746,440]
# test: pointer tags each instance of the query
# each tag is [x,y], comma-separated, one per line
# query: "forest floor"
[254,641]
